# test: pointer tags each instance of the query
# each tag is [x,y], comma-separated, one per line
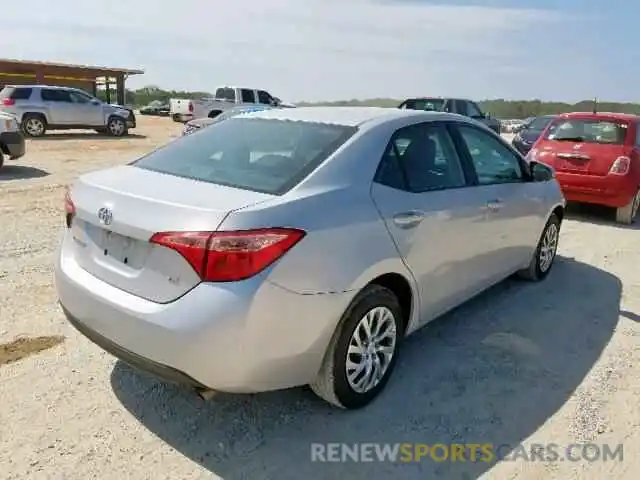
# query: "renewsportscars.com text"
[464,452]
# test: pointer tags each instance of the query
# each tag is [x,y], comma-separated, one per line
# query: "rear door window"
[269,156]
[55,95]
[581,130]
[248,96]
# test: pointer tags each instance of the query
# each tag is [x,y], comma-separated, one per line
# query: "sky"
[342,49]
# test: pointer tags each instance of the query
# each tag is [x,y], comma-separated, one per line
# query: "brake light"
[190,107]
[8,102]
[620,166]
[69,208]
[230,256]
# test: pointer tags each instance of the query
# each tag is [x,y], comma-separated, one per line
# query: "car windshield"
[539,123]
[262,155]
[589,131]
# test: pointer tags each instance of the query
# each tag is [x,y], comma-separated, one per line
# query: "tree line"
[499,108]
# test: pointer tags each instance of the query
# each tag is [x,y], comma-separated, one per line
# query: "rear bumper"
[611,190]
[241,337]
[12,144]
[181,117]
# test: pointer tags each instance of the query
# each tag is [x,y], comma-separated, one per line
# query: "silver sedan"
[299,246]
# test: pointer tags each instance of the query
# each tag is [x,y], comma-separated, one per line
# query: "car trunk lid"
[117,211]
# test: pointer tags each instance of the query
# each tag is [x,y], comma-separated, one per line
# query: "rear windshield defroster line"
[262,155]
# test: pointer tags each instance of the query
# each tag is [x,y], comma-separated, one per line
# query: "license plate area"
[573,162]
[113,247]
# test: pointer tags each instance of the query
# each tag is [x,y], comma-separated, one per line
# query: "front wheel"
[34,125]
[116,127]
[626,215]
[545,253]
[363,351]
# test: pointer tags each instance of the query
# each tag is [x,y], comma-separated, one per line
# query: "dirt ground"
[555,362]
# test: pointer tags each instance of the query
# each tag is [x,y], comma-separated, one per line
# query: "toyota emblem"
[105,215]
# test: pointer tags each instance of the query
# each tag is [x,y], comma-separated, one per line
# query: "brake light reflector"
[69,208]
[620,166]
[8,102]
[230,256]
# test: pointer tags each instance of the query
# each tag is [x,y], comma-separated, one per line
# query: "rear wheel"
[627,214]
[34,125]
[363,351]
[545,254]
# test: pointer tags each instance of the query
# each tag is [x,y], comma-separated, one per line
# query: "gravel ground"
[534,363]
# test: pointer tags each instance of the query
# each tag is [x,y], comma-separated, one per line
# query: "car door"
[422,192]
[87,110]
[59,105]
[514,205]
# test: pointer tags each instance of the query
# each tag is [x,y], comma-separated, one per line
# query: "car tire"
[34,125]
[626,215]
[116,126]
[333,384]
[545,253]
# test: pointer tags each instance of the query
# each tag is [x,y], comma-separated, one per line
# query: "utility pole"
[595,105]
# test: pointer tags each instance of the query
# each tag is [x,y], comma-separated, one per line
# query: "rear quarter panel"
[347,244]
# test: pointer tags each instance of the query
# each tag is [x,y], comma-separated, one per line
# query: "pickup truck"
[183,110]
[461,106]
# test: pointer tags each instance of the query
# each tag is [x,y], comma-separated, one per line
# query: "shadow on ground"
[598,215]
[84,136]
[21,172]
[493,371]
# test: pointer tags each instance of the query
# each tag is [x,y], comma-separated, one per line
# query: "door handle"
[494,205]
[408,219]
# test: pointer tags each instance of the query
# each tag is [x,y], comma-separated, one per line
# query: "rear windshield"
[427,104]
[15,93]
[589,131]
[226,94]
[539,123]
[268,156]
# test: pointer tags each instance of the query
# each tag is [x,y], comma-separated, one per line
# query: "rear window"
[16,93]
[268,156]
[589,131]
[539,123]
[427,104]
[226,94]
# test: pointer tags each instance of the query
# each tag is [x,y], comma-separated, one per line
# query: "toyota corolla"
[299,246]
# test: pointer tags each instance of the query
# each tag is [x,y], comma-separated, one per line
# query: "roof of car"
[601,115]
[348,116]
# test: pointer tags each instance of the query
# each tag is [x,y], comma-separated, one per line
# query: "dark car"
[461,106]
[157,108]
[529,133]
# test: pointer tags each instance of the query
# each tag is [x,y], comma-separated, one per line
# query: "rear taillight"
[620,166]
[230,256]
[8,102]
[190,107]
[69,209]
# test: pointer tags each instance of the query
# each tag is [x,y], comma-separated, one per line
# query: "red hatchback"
[596,157]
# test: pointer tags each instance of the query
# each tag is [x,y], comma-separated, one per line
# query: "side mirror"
[276,101]
[540,172]
[95,101]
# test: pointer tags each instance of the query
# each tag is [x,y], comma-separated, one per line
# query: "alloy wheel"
[548,247]
[34,127]
[371,349]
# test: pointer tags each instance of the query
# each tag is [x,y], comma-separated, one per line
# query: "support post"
[107,88]
[120,91]
[94,87]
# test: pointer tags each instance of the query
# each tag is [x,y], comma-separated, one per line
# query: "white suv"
[39,108]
